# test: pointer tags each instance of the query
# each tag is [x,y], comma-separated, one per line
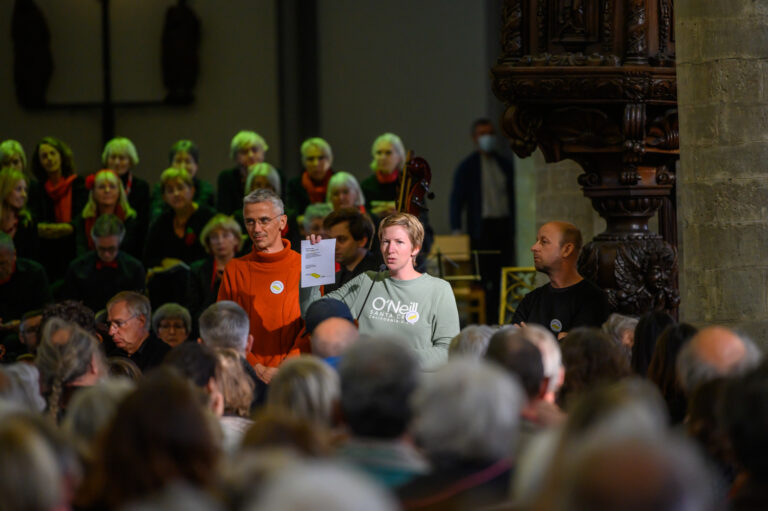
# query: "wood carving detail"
[511,33]
[637,32]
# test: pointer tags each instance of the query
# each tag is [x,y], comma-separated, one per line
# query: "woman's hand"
[314,239]
[54,231]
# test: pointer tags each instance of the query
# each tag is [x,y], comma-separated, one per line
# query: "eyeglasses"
[171,326]
[263,221]
[120,323]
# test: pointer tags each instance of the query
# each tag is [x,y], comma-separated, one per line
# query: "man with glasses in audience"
[129,315]
[266,284]
[96,276]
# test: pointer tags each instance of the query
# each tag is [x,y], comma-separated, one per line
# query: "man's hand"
[561,335]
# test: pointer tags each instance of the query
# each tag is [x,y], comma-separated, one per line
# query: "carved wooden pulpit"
[594,81]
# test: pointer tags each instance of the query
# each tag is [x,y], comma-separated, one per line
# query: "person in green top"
[401,302]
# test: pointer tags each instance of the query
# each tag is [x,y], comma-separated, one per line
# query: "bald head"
[569,233]
[332,337]
[714,352]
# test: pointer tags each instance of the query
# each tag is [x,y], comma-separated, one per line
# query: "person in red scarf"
[64,194]
[121,156]
[311,186]
[106,197]
[380,189]
[15,218]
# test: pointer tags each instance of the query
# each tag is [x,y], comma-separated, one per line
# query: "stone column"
[722,192]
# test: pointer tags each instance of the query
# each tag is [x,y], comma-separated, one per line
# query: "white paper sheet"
[318,263]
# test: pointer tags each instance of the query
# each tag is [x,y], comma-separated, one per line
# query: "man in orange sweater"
[266,284]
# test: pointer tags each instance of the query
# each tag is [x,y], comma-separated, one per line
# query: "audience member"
[662,368]
[745,412]
[311,186]
[331,328]
[324,487]
[551,357]
[311,220]
[98,275]
[353,232]
[172,324]
[161,434]
[72,311]
[20,388]
[63,197]
[647,332]
[106,197]
[568,300]
[175,233]
[262,175]
[621,329]
[590,358]
[23,285]
[15,218]
[184,154]
[522,360]
[68,358]
[130,317]
[237,391]
[265,283]
[378,378]
[275,428]
[472,341]
[247,148]
[466,420]
[199,364]
[225,325]
[306,387]
[123,367]
[713,352]
[344,192]
[120,155]
[222,239]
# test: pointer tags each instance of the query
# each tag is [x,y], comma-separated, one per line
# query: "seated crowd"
[174,363]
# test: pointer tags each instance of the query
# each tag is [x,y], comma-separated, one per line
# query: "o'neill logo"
[394,311]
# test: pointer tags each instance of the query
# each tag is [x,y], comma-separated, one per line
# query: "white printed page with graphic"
[318,263]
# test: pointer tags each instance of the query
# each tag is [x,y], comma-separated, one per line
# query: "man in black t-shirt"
[568,301]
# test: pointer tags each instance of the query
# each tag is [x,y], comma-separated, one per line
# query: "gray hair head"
[314,211]
[471,341]
[378,378]
[265,195]
[307,387]
[108,225]
[137,303]
[345,179]
[225,324]
[266,170]
[22,387]
[397,145]
[92,408]
[694,366]
[245,139]
[324,487]
[172,311]
[551,356]
[470,410]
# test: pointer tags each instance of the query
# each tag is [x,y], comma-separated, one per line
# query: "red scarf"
[316,193]
[103,264]
[92,220]
[61,194]
[385,178]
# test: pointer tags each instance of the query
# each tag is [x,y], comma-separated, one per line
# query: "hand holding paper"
[318,263]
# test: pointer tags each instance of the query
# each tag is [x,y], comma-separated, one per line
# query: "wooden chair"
[516,282]
[460,267]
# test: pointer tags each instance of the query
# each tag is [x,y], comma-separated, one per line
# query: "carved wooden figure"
[594,81]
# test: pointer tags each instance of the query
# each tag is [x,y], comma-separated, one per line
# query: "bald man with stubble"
[568,300]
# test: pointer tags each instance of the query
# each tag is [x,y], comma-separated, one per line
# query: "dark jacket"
[467,193]
[26,290]
[162,242]
[95,286]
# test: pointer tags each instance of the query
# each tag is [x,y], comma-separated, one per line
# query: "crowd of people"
[176,363]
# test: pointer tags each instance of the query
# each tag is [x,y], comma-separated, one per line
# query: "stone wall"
[722,192]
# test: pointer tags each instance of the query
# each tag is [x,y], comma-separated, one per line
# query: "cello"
[413,186]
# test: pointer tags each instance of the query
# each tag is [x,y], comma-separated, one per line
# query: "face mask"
[487,143]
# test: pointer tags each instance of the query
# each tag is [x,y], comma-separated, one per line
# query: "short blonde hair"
[409,222]
[321,144]
[307,387]
[174,174]
[397,145]
[266,170]
[341,179]
[120,145]
[246,139]
[224,222]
